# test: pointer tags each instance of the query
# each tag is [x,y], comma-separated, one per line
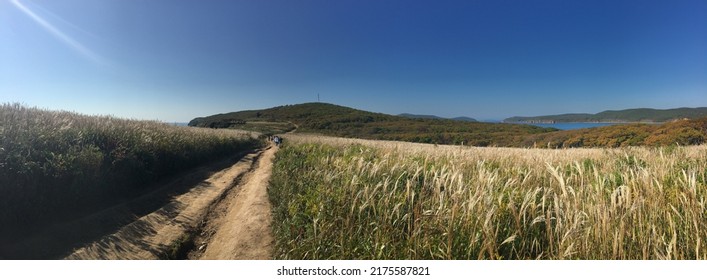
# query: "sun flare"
[63,37]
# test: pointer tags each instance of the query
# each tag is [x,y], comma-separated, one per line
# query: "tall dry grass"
[61,164]
[356,199]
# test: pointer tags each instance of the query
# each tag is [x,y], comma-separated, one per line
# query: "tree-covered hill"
[334,120]
[337,120]
[414,116]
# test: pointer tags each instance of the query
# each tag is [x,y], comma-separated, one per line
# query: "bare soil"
[239,226]
[232,204]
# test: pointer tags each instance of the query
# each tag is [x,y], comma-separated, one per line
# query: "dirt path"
[239,227]
[226,216]
[162,233]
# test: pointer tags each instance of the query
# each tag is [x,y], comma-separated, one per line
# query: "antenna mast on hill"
[317,97]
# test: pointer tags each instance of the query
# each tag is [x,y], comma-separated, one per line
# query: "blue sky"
[173,60]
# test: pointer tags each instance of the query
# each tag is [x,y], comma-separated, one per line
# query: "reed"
[56,164]
[339,198]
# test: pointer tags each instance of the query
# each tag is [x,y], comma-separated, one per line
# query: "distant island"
[640,115]
[433,117]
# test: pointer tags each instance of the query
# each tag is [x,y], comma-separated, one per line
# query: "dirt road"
[226,216]
[240,226]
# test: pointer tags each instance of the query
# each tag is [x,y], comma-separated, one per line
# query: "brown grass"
[350,199]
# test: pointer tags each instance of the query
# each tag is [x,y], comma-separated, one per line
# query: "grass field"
[60,164]
[339,198]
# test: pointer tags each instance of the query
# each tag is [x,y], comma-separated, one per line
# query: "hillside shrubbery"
[683,132]
[341,121]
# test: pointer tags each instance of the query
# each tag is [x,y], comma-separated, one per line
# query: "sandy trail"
[158,234]
[240,226]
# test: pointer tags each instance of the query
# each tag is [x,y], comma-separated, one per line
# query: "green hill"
[620,116]
[465,119]
[342,121]
[413,116]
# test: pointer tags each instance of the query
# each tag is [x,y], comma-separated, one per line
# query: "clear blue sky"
[173,60]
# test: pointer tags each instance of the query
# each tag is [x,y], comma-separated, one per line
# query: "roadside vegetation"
[60,165]
[337,198]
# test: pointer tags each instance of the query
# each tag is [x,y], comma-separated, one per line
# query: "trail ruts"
[167,232]
[239,227]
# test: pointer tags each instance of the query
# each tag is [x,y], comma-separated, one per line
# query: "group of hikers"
[275,139]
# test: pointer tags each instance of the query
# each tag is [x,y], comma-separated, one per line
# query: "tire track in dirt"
[240,225]
[162,233]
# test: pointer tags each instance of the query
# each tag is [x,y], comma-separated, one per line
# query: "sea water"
[570,126]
